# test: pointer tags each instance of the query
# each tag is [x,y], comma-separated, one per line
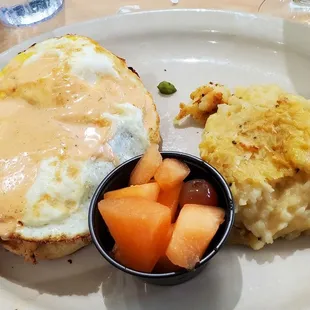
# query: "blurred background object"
[74,11]
[81,10]
[298,10]
[10,36]
[26,13]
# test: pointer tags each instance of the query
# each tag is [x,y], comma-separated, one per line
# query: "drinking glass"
[298,10]
[19,13]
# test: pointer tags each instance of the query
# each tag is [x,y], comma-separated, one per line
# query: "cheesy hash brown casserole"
[259,139]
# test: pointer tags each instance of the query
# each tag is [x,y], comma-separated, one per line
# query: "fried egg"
[71,111]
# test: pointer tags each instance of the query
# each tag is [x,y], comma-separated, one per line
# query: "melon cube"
[139,228]
[165,265]
[115,253]
[170,198]
[171,173]
[193,232]
[146,167]
[149,191]
[164,245]
[120,256]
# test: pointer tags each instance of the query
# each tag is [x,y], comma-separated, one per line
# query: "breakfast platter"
[236,66]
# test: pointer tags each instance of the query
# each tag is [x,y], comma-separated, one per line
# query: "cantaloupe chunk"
[115,253]
[171,173]
[165,265]
[146,167]
[120,256]
[170,198]
[164,244]
[149,191]
[193,232]
[139,227]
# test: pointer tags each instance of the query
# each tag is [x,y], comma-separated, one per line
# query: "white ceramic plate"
[188,48]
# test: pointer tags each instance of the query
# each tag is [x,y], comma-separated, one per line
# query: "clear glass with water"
[303,2]
[19,13]
[297,10]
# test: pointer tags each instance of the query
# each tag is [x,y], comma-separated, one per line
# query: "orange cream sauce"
[44,112]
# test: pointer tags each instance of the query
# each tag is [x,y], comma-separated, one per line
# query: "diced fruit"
[149,191]
[146,167]
[139,228]
[165,265]
[115,253]
[198,192]
[120,256]
[193,232]
[166,241]
[171,173]
[170,198]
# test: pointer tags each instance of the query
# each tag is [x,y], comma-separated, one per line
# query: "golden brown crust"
[154,133]
[33,251]
[204,102]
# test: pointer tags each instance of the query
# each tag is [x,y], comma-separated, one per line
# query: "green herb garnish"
[166,88]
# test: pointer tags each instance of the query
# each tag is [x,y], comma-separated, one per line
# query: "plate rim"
[270,19]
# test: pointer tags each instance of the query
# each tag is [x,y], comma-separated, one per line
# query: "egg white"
[84,61]
[54,220]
